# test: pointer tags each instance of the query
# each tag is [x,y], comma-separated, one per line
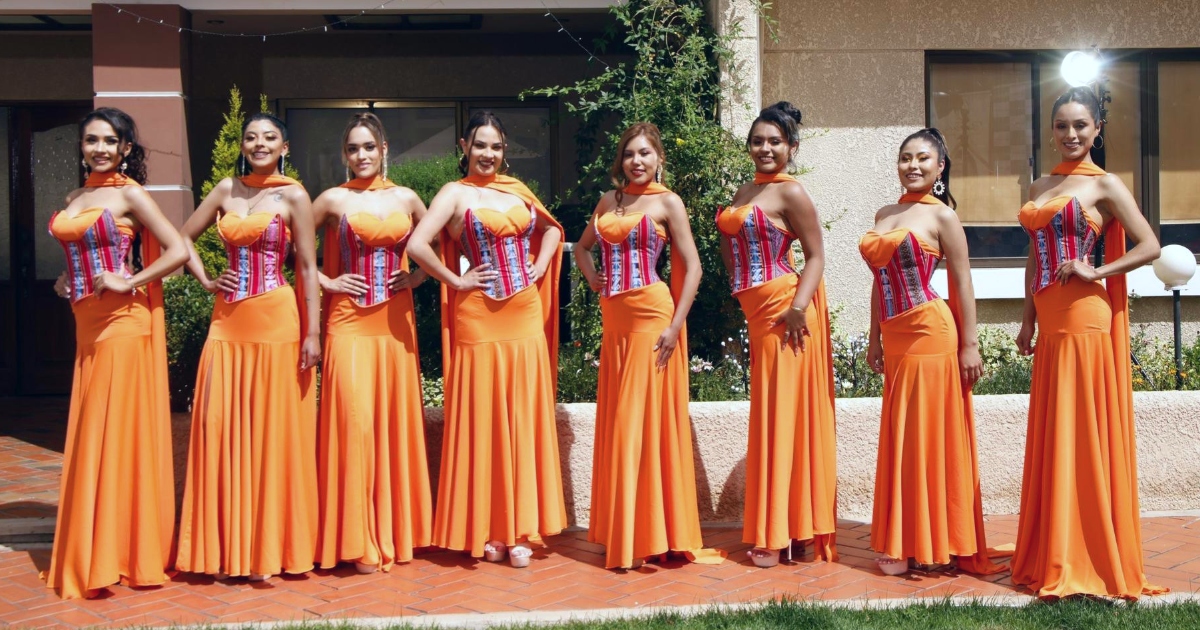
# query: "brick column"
[142,68]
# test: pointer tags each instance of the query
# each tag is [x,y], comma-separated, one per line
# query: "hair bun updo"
[783,115]
[787,109]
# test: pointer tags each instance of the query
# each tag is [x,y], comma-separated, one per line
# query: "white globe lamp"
[1175,267]
[1080,68]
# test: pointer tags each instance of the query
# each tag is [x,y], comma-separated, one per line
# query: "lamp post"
[1175,267]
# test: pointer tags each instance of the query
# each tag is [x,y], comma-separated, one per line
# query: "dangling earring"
[1098,143]
[241,166]
[939,187]
[463,164]
[505,166]
[347,172]
[1052,142]
[385,169]
[124,165]
[283,164]
[87,170]
[658,175]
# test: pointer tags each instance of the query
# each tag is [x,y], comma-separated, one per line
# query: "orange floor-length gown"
[373,474]
[791,455]
[1079,530]
[116,513]
[928,505]
[643,475]
[501,476]
[250,501]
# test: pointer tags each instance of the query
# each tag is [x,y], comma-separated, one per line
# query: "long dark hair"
[243,166]
[126,130]
[934,137]
[1086,97]
[481,118]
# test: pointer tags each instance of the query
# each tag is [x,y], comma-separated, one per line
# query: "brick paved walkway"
[568,575]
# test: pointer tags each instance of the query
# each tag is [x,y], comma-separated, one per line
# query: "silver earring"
[939,187]
[347,172]
[385,169]
[658,175]
[87,170]
[283,164]
[124,165]
[1098,143]
[241,167]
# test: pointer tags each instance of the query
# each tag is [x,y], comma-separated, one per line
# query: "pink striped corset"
[902,266]
[1058,231]
[376,262]
[760,250]
[629,263]
[93,246]
[502,240]
[255,250]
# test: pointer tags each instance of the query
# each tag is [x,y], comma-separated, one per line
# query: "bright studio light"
[1080,68]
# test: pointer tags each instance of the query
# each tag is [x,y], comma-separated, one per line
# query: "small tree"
[673,82]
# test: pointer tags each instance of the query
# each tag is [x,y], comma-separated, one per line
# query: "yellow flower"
[679,142]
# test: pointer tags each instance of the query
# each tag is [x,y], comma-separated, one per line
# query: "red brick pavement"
[568,575]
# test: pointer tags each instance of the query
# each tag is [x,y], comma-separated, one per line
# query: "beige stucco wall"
[857,71]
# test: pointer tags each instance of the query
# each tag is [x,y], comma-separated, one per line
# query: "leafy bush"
[188,310]
[674,82]
[1154,367]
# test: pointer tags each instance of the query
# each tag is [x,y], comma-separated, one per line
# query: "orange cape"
[547,286]
[1117,289]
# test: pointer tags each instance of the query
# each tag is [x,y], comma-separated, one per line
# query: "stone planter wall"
[1168,435]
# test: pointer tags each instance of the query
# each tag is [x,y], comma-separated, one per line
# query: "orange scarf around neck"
[111,179]
[1078,168]
[374,183]
[653,188]
[919,197]
[254,180]
[771,178]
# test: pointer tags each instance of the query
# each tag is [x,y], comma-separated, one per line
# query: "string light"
[300,31]
[562,28]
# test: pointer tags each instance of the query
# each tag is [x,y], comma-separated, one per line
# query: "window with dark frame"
[994,110]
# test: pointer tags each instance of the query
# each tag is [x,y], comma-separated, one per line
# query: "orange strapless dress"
[791,455]
[250,502]
[1079,529]
[372,469]
[116,513]
[927,499]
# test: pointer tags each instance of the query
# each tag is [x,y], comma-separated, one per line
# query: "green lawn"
[1064,615]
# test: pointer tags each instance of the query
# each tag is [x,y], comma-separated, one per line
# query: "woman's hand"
[597,282]
[1025,339]
[970,365]
[109,281]
[480,277]
[402,279]
[666,346]
[795,322]
[348,283]
[62,286]
[310,352]
[535,274]
[1079,268]
[875,356]
[227,282]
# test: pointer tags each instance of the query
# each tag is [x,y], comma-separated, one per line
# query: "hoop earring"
[939,187]
[1098,143]
[658,175]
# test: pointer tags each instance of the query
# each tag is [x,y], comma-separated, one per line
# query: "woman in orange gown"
[372,470]
[928,509]
[1079,530]
[643,476]
[116,514]
[791,470]
[250,502]
[500,484]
